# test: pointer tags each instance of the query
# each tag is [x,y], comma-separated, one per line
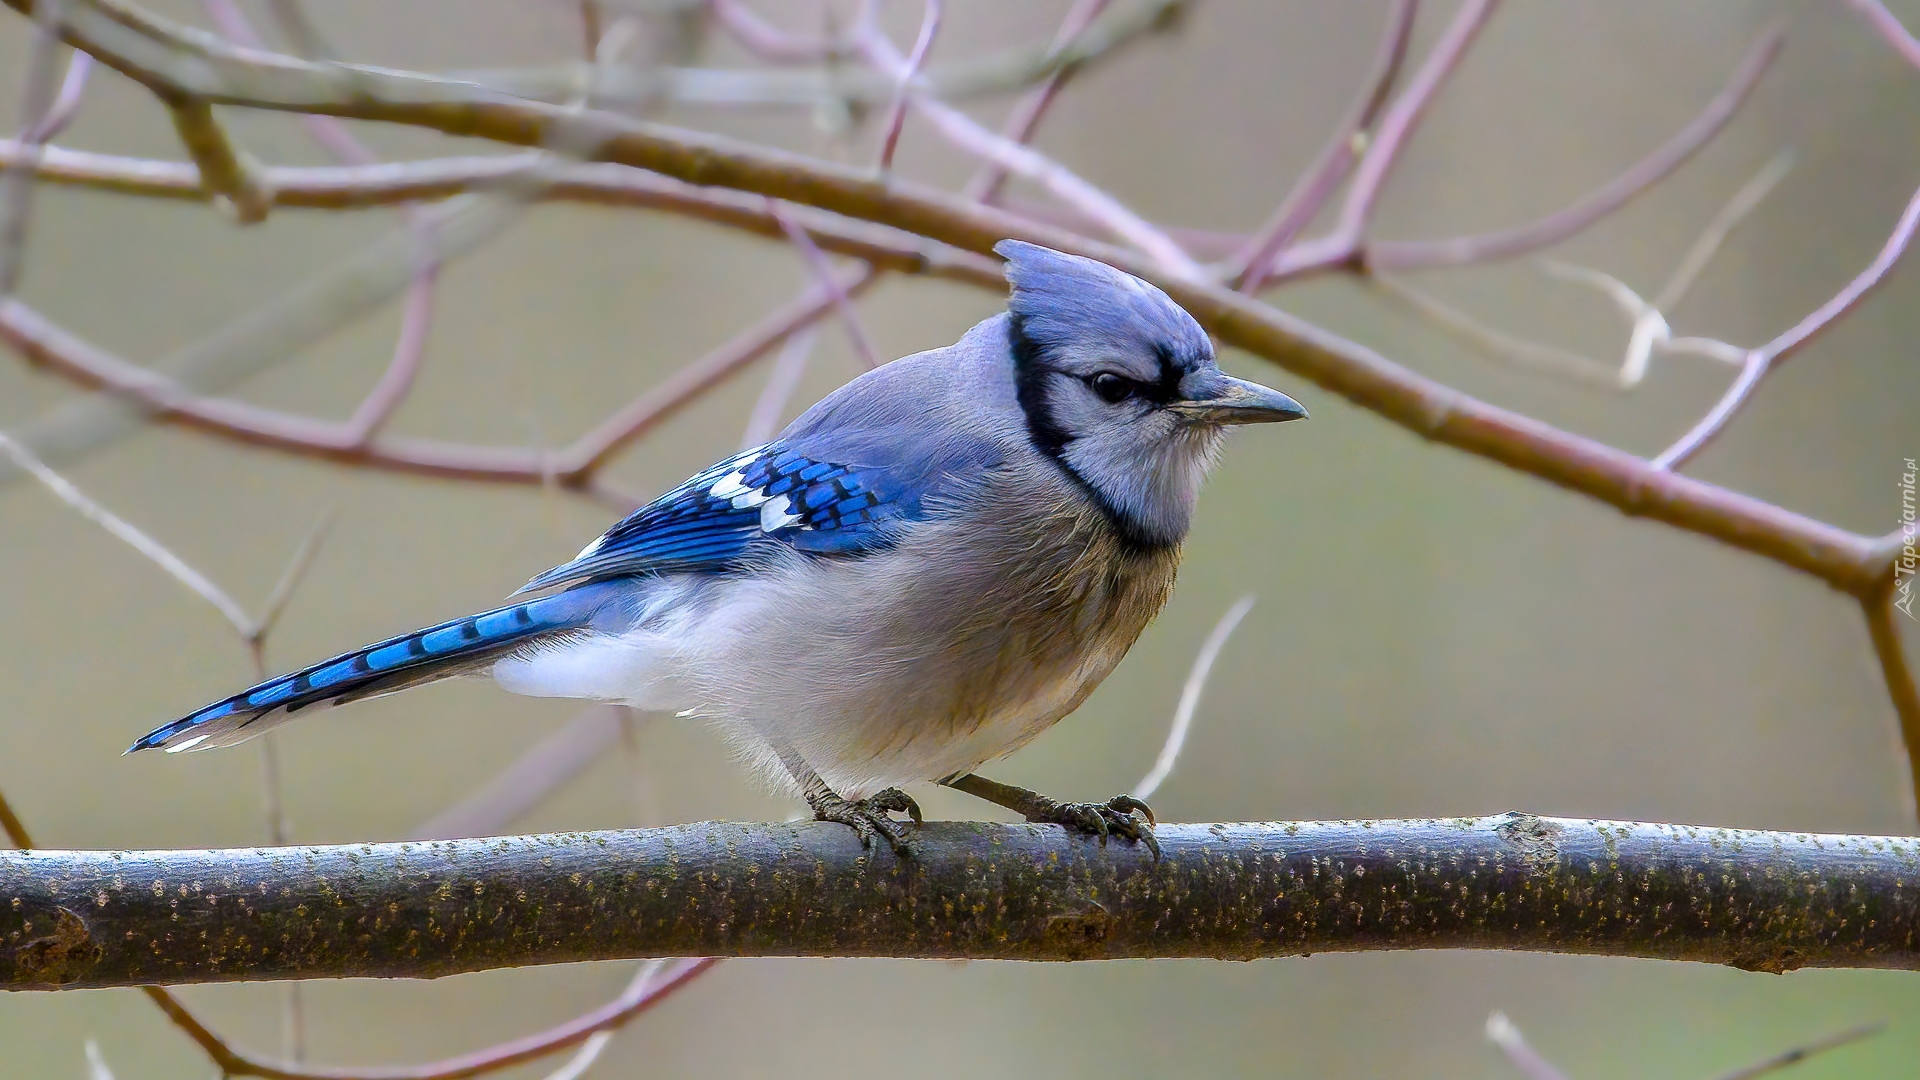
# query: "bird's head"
[1119,385]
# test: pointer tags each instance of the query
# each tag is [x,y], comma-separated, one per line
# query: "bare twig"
[1502,1033]
[1801,1053]
[1022,160]
[531,779]
[1529,1062]
[1497,343]
[1024,119]
[788,369]
[151,549]
[574,466]
[771,43]
[10,823]
[1348,142]
[1762,360]
[589,1052]
[1603,200]
[829,280]
[897,109]
[66,104]
[1190,697]
[1884,631]
[1397,126]
[97,1068]
[230,174]
[16,182]
[1707,245]
[1889,27]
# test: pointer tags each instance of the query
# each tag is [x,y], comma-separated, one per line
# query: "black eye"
[1112,388]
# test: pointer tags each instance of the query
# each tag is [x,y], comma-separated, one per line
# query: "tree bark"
[1758,900]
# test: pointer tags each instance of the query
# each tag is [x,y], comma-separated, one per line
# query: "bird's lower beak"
[1237,401]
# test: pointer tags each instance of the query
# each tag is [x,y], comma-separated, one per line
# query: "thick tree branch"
[1756,900]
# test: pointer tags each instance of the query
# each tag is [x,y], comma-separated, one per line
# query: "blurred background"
[1433,635]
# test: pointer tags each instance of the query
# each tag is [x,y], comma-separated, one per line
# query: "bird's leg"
[866,817]
[1113,817]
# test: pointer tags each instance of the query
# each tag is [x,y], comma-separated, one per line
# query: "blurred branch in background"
[1534,1066]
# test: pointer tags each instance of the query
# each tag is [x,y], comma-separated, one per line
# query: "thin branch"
[291,577]
[1603,200]
[1762,360]
[149,548]
[1889,27]
[576,466]
[1744,202]
[356,187]
[1649,332]
[631,1003]
[829,82]
[1801,1053]
[1024,161]
[10,823]
[1502,1033]
[97,1067]
[531,779]
[409,355]
[829,280]
[1902,689]
[1024,119]
[229,173]
[770,43]
[763,421]
[16,182]
[589,1052]
[1550,359]
[1531,1064]
[66,104]
[1190,697]
[897,109]
[1398,125]
[596,447]
[1347,143]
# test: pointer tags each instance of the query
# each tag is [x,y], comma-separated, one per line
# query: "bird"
[923,572]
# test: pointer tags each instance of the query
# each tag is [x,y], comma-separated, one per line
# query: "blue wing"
[769,493]
[847,478]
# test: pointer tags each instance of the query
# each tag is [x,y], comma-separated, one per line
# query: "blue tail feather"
[436,652]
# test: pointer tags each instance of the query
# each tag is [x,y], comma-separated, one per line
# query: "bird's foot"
[871,816]
[1111,818]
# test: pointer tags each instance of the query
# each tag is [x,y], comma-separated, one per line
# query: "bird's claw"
[872,816]
[1111,818]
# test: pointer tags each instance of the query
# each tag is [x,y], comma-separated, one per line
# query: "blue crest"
[1065,300]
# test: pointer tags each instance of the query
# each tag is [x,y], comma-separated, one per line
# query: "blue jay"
[923,572]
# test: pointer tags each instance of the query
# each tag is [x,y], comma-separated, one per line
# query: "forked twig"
[1190,697]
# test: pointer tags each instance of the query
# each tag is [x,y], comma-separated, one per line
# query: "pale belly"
[879,672]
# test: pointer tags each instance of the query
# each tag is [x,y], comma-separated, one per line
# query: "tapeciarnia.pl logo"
[1909,561]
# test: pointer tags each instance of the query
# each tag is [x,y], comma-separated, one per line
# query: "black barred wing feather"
[767,493]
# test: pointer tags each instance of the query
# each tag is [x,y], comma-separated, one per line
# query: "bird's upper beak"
[1227,400]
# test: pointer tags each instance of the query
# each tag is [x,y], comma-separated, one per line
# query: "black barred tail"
[437,652]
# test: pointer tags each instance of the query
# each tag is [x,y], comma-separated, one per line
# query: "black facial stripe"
[1030,388]
[1051,439]
[1167,389]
